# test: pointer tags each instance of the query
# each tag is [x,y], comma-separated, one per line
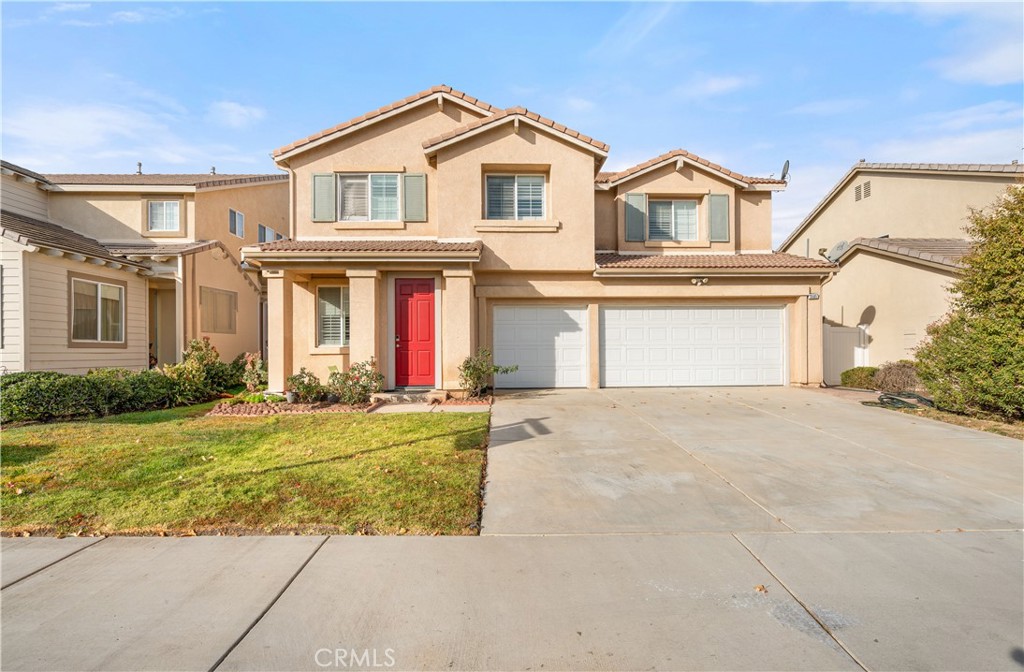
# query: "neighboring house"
[440,223]
[177,236]
[897,234]
[189,229]
[68,303]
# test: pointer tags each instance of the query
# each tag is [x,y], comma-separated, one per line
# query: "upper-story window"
[265,234]
[236,223]
[163,216]
[371,197]
[514,197]
[672,220]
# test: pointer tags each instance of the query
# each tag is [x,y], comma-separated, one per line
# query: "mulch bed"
[482,401]
[283,408]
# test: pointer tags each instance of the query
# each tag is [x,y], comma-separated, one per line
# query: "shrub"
[190,384]
[306,384]
[356,385]
[47,397]
[219,375]
[476,371]
[111,391]
[862,377]
[898,376]
[973,359]
[254,372]
[151,389]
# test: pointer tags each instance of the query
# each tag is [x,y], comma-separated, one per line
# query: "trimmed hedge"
[46,395]
[861,377]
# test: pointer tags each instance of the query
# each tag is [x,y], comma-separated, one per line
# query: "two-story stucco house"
[896,232]
[440,223]
[183,233]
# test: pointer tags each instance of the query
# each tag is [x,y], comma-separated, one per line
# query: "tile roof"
[161,180]
[945,251]
[32,231]
[611,260]
[374,245]
[14,168]
[498,117]
[682,153]
[945,167]
[161,249]
[443,88]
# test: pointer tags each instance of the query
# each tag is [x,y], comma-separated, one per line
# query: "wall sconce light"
[699,281]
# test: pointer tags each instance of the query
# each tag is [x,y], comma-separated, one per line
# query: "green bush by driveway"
[176,472]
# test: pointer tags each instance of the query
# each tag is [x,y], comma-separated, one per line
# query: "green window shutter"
[636,217]
[325,199]
[718,206]
[414,197]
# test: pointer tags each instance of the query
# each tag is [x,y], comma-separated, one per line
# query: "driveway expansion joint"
[805,607]
[47,566]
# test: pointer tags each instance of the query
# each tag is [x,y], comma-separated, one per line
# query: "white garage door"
[549,344]
[676,346]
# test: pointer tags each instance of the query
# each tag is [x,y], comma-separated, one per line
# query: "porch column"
[458,339]
[280,287]
[365,316]
[179,310]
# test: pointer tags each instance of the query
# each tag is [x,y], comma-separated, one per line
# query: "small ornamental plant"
[306,385]
[254,375]
[356,385]
[476,371]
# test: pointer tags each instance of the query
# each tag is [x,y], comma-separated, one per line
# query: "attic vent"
[867,189]
[857,191]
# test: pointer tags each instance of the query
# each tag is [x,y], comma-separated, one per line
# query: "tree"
[973,359]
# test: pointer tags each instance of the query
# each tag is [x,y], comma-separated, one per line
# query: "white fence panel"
[844,348]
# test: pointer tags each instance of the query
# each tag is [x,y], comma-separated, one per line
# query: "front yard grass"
[176,472]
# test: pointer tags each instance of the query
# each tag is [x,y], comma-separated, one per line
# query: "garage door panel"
[683,346]
[547,343]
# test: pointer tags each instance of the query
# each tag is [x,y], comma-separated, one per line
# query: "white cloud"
[994,112]
[993,146]
[631,30]
[125,16]
[578,104]
[829,107]
[713,86]
[234,115]
[62,7]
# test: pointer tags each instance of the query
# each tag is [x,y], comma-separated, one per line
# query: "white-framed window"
[332,318]
[163,215]
[218,309]
[278,236]
[514,197]
[672,220]
[374,197]
[236,223]
[265,234]
[97,312]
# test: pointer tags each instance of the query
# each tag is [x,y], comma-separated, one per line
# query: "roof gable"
[438,94]
[946,252]
[967,169]
[516,115]
[681,156]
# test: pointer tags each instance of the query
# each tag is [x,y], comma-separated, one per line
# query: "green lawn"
[177,472]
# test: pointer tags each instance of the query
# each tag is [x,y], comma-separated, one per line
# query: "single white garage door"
[681,346]
[549,344]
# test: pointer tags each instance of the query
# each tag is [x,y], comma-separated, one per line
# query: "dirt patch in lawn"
[282,408]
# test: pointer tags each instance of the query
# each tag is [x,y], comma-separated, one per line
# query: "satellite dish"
[785,170]
[837,251]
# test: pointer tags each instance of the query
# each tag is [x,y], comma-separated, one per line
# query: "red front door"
[414,332]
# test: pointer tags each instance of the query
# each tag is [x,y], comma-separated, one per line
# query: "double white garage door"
[641,346]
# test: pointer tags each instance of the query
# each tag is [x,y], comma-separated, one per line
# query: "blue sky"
[95,87]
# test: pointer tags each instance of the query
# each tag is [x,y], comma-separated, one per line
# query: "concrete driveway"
[731,529]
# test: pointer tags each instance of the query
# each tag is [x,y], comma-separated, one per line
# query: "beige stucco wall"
[213,269]
[118,217]
[390,145]
[47,319]
[750,217]
[22,197]
[265,203]
[563,241]
[895,298]
[606,225]
[901,206]
[12,318]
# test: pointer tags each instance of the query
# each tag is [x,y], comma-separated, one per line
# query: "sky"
[181,87]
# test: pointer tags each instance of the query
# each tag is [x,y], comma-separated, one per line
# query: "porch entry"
[414,332]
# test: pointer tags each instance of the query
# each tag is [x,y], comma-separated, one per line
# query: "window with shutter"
[369,197]
[636,217]
[514,197]
[718,206]
[332,316]
[672,220]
